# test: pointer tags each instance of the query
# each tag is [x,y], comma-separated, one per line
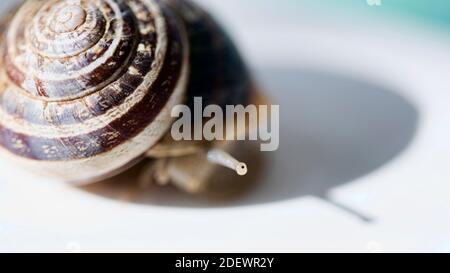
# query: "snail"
[87,86]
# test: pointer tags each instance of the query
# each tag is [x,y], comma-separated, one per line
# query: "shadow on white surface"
[334,129]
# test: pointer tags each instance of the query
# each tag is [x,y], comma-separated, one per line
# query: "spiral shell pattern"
[80,78]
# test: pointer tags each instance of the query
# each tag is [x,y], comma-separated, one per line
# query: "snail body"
[87,86]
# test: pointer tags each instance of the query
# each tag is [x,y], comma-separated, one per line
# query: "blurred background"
[364,95]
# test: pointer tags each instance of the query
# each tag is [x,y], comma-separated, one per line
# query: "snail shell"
[87,86]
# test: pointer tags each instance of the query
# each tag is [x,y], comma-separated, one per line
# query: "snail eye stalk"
[224,159]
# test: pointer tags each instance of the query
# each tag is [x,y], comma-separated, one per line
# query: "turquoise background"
[432,12]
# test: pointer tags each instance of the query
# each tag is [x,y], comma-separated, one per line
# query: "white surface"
[365,124]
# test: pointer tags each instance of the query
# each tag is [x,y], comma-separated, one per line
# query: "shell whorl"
[81,77]
[64,50]
[67,19]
